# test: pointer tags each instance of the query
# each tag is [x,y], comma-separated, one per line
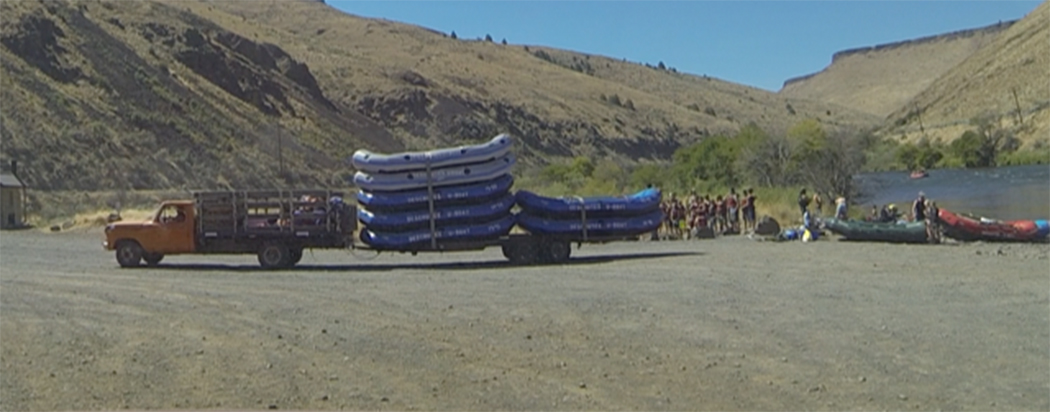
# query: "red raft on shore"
[967,228]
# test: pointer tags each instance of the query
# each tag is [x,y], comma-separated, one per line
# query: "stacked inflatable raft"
[412,200]
[577,218]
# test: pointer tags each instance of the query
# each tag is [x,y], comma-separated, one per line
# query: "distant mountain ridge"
[959,34]
[879,79]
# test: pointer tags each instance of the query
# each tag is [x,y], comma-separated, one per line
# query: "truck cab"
[171,230]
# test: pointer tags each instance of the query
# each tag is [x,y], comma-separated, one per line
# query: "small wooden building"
[12,199]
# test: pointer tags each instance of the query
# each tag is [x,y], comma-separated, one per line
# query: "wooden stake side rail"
[299,213]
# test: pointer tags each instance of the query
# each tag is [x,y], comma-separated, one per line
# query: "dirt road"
[728,324]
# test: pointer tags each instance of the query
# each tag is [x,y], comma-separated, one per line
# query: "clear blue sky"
[757,43]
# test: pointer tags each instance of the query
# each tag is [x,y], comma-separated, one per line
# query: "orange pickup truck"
[276,225]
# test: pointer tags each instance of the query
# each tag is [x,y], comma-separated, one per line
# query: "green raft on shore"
[900,232]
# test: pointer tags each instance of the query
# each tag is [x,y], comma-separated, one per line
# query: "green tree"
[827,163]
[648,174]
[710,160]
[908,156]
[608,171]
[582,167]
[969,149]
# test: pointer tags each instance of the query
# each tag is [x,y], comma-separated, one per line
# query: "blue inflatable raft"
[446,195]
[420,239]
[608,226]
[453,175]
[369,162]
[1043,228]
[444,216]
[632,205]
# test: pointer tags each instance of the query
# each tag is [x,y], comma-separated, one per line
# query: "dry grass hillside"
[113,95]
[881,79]
[1016,63]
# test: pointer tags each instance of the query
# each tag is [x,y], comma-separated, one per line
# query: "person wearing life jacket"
[918,208]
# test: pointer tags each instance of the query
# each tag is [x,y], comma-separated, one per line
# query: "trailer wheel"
[556,251]
[274,255]
[152,259]
[294,255]
[521,253]
[129,253]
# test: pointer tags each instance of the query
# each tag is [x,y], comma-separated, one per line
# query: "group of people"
[922,210]
[685,218]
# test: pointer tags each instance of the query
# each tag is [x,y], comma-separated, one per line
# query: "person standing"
[745,207]
[933,228]
[918,208]
[732,213]
[803,201]
[819,203]
[840,208]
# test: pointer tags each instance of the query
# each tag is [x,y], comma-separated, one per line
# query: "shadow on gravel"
[491,264]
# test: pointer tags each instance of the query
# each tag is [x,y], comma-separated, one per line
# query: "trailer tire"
[556,251]
[273,255]
[129,253]
[152,259]
[521,253]
[295,255]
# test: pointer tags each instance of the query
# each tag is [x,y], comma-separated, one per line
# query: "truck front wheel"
[129,254]
[152,259]
[274,255]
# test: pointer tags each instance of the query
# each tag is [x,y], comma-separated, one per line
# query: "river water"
[1007,193]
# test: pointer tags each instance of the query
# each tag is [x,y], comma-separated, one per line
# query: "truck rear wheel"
[555,251]
[129,253]
[274,255]
[521,253]
[152,259]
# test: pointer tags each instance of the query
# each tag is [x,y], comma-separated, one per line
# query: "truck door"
[176,229]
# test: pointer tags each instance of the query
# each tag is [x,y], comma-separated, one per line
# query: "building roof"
[10,180]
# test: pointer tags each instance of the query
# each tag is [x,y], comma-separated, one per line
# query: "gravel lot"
[727,324]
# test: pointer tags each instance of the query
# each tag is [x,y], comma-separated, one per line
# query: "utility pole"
[1017,102]
[280,155]
[918,113]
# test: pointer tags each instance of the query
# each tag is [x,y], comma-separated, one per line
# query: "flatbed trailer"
[518,248]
